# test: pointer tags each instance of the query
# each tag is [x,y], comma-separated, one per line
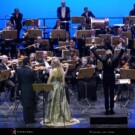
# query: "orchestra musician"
[83,26]
[10,82]
[32,27]
[127,25]
[121,44]
[124,63]
[6,43]
[9,26]
[46,61]
[58,25]
[88,14]
[89,82]
[63,13]
[38,45]
[109,65]
[16,20]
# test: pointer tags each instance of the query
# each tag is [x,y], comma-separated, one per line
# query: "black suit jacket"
[25,78]
[17,20]
[108,70]
[67,16]
[2,66]
[90,14]
[132,12]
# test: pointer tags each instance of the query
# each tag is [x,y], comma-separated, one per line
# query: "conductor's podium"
[99,117]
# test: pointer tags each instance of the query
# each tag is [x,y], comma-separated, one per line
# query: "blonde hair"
[58,66]
[109,55]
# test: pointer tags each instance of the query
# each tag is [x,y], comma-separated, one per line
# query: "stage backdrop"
[48,8]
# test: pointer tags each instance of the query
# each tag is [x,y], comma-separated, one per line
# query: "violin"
[48,58]
[39,68]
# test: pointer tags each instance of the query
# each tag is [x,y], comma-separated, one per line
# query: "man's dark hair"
[26,61]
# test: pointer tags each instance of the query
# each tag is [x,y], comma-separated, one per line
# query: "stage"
[90,117]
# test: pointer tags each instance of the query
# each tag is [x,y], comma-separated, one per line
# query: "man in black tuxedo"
[16,19]
[63,13]
[26,77]
[87,14]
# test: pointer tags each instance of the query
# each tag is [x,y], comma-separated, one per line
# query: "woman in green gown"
[58,112]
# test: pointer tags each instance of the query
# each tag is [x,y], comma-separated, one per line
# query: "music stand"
[63,43]
[105,36]
[66,54]
[39,54]
[128,35]
[47,44]
[9,34]
[82,34]
[115,40]
[117,51]
[97,42]
[34,33]
[127,74]
[43,87]
[28,22]
[85,73]
[99,65]
[101,52]
[72,64]
[58,34]
[4,75]
[78,19]
[130,18]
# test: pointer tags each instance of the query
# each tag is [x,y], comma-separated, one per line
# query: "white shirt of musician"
[58,28]
[119,46]
[63,12]
[87,15]
[37,45]
[83,28]
[47,66]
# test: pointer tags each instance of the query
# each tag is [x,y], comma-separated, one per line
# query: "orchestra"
[79,53]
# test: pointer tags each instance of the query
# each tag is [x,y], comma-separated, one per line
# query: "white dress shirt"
[63,12]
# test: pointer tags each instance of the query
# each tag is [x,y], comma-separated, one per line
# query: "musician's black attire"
[17,21]
[26,78]
[109,79]
[66,18]
[87,16]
